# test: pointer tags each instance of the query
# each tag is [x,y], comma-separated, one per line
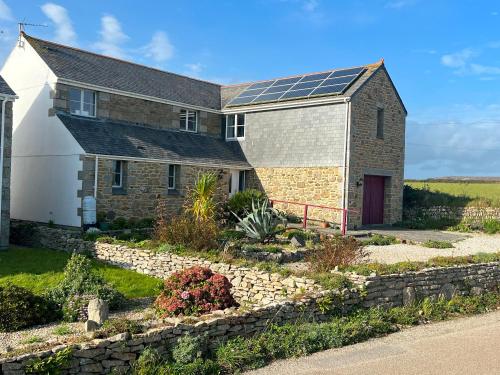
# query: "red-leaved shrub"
[194,291]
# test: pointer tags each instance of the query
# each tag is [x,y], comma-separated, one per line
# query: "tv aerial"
[22,27]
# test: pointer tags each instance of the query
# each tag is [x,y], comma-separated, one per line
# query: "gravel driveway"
[473,244]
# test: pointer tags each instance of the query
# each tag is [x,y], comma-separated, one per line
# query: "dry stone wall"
[473,215]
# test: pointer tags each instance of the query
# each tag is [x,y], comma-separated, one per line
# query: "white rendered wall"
[45,157]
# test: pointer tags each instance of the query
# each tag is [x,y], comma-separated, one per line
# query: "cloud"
[5,12]
[159,49]
[458,59]
[399,4]
[59,16]
[484,69]
[465,142]
[194,70]
[310,5]
[112,37]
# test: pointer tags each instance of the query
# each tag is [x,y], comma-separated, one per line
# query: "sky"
[443,55]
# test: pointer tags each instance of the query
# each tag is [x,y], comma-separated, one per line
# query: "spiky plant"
[262,222]
[203,205]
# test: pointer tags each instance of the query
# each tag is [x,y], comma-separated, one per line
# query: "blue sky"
[444,56]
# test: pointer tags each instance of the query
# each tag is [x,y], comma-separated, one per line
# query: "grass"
[481,194]
[32,340]
[62,330]
[438,244]
[302,338]
[41,269]
[383,269]
[379,240]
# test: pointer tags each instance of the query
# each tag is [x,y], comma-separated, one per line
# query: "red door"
[373,200]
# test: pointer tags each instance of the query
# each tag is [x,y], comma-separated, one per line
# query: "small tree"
[202,197]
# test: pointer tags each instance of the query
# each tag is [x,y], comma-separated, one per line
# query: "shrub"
[184,230]
[379,240]
[23,234]
[149,363]
[20,308]
[78,281]
[491,226]
[189,348]
[438,244]
[240,203]
[262,222]
[336,251]
[232,235]
[301,234]
[119,223]
[202,197]
[194,291]
[113,327]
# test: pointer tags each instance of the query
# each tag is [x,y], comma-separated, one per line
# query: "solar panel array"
[334,82]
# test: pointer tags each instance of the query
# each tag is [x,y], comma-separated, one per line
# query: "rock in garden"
[98,311]
[476,291]
[297,242]
[409,296]
[91,326]
[447,291]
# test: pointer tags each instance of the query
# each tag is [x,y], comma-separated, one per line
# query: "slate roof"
[87,67]
[106,137]
[5,88]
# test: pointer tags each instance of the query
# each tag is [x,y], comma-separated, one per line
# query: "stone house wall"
[140,111]
[320,186]
[7,154]
[370,155]
[144,185]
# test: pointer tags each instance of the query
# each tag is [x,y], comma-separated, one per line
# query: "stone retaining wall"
[473,215]
[249,284]
[398,289]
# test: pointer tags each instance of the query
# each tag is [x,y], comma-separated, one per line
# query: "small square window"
[380,123]
[188,120]
[82,102]
[117,174]
[235,126]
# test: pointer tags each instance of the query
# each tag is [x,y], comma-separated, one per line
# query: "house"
[91,125]
[7,97]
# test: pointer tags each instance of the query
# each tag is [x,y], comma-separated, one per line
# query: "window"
[380,123]
[82,102]
[117,174]
[189,120]
[235,126]
[173,176]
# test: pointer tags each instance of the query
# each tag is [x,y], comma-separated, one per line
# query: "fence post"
[304,223]
[344,222]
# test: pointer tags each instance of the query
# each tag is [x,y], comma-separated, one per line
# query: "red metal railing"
[343,225]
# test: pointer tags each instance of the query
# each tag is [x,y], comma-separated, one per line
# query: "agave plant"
[262,222]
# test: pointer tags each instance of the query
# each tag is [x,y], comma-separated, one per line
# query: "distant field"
[481,193]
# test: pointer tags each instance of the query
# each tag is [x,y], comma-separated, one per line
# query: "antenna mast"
[22,26]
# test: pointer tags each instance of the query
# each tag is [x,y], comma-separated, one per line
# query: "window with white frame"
[235,126]
[173,176]
[82,102]
[117,174]
[189,120]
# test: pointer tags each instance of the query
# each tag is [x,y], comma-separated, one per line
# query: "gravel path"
[475,243]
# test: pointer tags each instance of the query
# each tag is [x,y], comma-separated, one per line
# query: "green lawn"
[489,192]
[41,269]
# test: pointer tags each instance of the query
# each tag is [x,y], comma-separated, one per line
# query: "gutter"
[347,143]
[5,99]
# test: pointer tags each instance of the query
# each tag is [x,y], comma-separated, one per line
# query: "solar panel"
[268,97]
[260,85]
[347,72]
[296,94]
[329,89]
[315,77]
[337,81]
[242,100]
[327,83]
[283,88]
[286,81]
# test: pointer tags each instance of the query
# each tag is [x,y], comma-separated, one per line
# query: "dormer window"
[189,120]
[82,102]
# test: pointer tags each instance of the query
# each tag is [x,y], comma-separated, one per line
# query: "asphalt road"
[461,346]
